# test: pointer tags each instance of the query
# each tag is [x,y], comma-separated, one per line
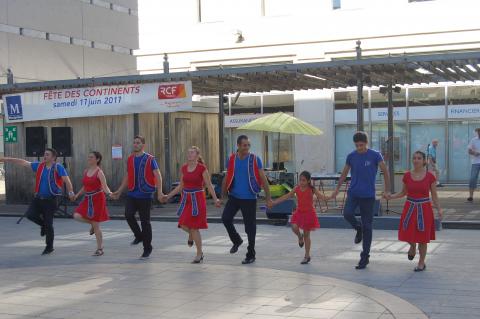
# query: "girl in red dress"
[417,223]
[192,211]
[304,218]
[93,208]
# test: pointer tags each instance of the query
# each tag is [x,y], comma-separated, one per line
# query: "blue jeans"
[474,175]
[366,206]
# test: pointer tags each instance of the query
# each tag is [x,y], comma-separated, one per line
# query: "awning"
[398,70]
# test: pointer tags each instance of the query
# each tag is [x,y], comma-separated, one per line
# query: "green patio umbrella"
[281,123]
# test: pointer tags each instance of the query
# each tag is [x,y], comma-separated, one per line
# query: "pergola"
[385,71]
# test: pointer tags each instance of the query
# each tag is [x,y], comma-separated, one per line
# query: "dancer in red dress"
[304,218]
[93,208]
[417,223]
[192,211]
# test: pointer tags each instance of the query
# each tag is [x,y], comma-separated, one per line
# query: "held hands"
[115,195]
[271,203]
[162,198]
[218,203]
[387,195]
[72,196]
[333,195]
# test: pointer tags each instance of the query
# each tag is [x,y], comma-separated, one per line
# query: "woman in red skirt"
[192,211]
[305,217]
[93,208]
[417,223]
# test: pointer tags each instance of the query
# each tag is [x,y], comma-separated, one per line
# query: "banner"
[98,101]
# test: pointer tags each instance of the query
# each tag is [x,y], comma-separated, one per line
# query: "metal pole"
[360,120]
[391,157]
[221,125]
[166,133]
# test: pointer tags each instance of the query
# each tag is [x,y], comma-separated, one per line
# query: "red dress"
[305,216]
[193,203]
[417,223]
[94,203]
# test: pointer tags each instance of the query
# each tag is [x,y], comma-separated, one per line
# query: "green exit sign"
[10,134]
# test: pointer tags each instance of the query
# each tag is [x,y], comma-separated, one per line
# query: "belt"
[192,193]
[416,203]
[44,198]
[89,197]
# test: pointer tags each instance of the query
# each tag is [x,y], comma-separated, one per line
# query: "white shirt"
[475,146]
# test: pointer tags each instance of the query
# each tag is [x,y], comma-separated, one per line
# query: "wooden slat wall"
[100,133]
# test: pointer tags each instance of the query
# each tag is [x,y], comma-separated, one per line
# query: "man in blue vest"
[143,178]
[244,180]
[49,180]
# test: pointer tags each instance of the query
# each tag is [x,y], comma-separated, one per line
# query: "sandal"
[92,231]
[198,260]
[409,254]
[98,252]
[418,269]
[301,242]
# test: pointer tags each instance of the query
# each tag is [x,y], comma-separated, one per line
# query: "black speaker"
[35,140]
[62,141]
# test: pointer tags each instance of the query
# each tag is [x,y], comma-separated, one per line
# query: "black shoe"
[42,231]
[362,264]
[198,260]
[470,199]
[418,269]
[411,257]
[358,236]
[136,241]
[248,260]
[234,248]
[190,243]
[305,260]
[48,251]
[146,253]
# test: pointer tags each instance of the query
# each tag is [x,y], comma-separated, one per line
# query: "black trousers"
[41,213]
[142,206]
[248,207]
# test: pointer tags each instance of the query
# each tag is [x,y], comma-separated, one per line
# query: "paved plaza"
[72,284]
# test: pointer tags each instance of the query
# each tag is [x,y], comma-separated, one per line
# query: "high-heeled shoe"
[418,269]
[306,260]
[198,260]
[190,243]
[301,241]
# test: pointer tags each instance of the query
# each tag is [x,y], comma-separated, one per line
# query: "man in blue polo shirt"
[244,180]
[49,180]
[363,164]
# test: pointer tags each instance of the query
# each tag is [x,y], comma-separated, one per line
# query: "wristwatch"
[71,193]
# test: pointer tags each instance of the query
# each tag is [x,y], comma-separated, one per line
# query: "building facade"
[43,40]
[202,34]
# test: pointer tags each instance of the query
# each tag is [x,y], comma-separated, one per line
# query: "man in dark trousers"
[363,163]
[49,179]
[244,180]
[142,179]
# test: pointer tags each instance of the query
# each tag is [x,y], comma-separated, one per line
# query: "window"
[345,100]
[426,96]
[336,4]
[460,95]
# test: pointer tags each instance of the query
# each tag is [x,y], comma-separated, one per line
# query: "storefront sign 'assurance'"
[98,101]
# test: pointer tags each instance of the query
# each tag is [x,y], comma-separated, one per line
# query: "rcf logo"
[171,91]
